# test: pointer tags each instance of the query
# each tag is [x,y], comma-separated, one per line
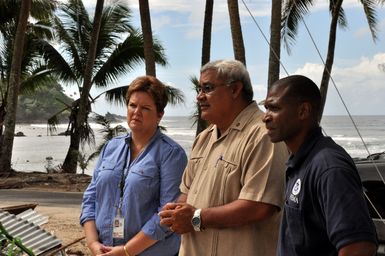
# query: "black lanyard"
[123,178]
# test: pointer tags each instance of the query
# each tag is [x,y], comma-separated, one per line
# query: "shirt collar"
[304,150]
[242,119]
[156,135]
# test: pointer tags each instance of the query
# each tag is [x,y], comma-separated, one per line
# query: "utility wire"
[338,92]
[264,36]
[343,102]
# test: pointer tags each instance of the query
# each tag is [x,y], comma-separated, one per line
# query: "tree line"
[46,41]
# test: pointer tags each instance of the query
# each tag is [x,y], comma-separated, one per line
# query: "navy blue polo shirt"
[324,206]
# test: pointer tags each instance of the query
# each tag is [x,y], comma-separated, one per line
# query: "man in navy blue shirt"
[325,212]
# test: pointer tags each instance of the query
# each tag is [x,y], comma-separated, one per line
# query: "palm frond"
[56,61]
[42,29]
[342,20]
[108,132]
[43,9]
[53,121]
[175,96]
[117,95]
[75,21]
[293,12]
[9,10]
[115,22]
[67,43]
[370,13]
[41,77]
[194,80]
[124,58]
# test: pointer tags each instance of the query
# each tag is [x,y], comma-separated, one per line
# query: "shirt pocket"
[108,174]
[229,180]
[195,166]
[144,176]
[294,218]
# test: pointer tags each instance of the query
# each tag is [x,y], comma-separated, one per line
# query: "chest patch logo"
[296,188]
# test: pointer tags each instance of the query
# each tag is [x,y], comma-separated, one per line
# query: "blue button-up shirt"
[150,181]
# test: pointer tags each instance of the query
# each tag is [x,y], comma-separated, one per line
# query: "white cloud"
[362,32]
[160,22]
[311,70]
[361,86]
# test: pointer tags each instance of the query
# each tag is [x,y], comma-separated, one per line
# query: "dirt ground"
[63,221]
[63,182]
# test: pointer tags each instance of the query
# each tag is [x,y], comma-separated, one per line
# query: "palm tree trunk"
[70,162]
[275,42]
[14,86]
[236,31]
[145,19]
[207,25]
[330,56]
[206,48]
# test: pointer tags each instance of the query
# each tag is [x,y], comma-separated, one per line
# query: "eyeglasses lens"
[206,88]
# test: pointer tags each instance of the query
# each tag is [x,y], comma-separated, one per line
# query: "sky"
[178,25]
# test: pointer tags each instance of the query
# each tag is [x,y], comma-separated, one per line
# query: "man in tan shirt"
[232,187]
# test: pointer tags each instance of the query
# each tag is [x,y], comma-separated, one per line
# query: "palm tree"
[14,85]
[206,47]
[207,25]
[145,19]
[114,57]
[275,42]
[108,132]
[295,10]
[21,71]
[81,124]
[236,31]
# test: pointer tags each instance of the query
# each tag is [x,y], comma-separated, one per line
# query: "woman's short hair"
[232,71]
[155,88]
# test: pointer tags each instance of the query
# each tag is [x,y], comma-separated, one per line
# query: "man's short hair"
[232,71]
[301,89]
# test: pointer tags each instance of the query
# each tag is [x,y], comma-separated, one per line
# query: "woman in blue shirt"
[135,176]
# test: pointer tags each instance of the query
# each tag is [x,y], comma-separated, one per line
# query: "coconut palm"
[206,49]
[236,31]
[207,25]
[145,19]
[294,11]
[21,68]
[81,118]
[275,42]
[14,85]
[115,56]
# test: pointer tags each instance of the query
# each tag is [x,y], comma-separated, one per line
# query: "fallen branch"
[64,246]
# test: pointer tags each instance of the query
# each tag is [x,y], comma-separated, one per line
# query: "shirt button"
[238,124]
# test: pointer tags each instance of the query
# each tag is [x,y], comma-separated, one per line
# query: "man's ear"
[236,88]
[304,110]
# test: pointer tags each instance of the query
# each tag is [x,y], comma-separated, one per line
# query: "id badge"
[118,229]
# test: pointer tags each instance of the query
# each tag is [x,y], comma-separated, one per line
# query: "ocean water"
[30,152]
[368,138]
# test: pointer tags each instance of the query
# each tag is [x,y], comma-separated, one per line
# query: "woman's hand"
[97,248]
[116,251]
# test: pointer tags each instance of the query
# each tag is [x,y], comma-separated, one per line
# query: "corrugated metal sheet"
[31,235]
[33,217]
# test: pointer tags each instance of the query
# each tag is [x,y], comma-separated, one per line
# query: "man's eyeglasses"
[209,87]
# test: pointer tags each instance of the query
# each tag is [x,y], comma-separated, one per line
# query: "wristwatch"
[196,220]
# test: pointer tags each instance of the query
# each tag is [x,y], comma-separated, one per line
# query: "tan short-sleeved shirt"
[241,164]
